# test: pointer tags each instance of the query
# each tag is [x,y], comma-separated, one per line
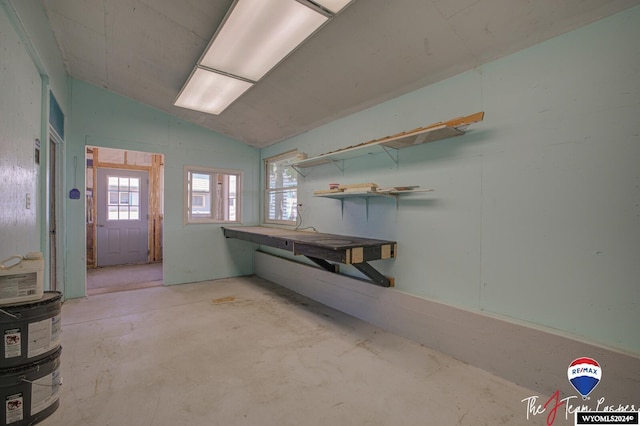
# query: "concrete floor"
[244,351]
[108,279]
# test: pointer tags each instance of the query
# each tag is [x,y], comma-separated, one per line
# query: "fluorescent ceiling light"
[258,34]
[255,37]
[334,6]
[210,92]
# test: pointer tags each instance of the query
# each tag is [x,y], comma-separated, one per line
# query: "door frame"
[156,217]
[53,219]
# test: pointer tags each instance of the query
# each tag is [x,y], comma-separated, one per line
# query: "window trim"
[119,203]
[293,154]
[187,220]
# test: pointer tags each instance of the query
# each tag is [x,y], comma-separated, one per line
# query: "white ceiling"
[373,51]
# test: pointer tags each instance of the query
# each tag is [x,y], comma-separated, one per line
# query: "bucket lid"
[47,297]
[36,365]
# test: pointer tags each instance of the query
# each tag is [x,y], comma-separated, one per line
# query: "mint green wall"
[191,252]
[535,214]
[37,60]
[536,211]
[19,127]
[95,116]
[33,18]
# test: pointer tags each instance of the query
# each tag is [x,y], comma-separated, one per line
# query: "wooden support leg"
[331,267]
[375,276]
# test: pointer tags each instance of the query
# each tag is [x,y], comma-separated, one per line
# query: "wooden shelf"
[366,195]
[371,194]
[421,135]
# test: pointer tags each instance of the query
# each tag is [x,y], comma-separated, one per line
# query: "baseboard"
[531,357]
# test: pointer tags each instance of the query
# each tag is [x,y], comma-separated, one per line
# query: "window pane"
[232,185]
[212,195]
[124,184]
[200,182]
[134,184]
[282,205]
[113,183]
[203,208]
[113,213]
[281,190]
[197,201]
[123,198]
[282,176]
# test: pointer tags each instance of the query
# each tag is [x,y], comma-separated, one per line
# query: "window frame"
[289,155]
[119,203]
[188,219]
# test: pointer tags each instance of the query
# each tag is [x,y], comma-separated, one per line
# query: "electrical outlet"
[299,207]
[28,201]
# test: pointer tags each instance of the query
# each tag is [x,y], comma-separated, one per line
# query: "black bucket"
[30,330]
[30,393]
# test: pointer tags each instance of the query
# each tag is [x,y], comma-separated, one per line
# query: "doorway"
[124,219]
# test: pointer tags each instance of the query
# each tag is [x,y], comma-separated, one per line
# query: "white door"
[122,216]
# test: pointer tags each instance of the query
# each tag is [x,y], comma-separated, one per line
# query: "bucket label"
[44,391]
[12,343]
[43,336]
[14,408]
[18,285]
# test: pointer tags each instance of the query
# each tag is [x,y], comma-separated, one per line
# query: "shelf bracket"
[293,166]
[373,274]
[366,200]
[394,159]
[335,163]
[331,267]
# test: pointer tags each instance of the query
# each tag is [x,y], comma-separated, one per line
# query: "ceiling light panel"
[258,34]
[210,92]
[334,6]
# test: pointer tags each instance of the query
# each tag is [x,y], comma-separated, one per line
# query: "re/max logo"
[582,370]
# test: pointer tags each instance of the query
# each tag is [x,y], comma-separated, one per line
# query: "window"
[212,195]
[281,189]
[123,198]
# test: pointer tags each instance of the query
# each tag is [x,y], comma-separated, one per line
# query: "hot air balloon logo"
[584,374]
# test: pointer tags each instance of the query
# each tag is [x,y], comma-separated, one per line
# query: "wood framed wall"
[155,213]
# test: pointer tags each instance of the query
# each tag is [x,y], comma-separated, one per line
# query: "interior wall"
[35,22]
[195,252]
[20,110]
[535,215]
[28,21]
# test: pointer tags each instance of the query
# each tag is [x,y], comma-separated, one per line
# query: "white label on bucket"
[43,336]
[14,408]
[12,343]
[56,329]
[18,285]
[44,391]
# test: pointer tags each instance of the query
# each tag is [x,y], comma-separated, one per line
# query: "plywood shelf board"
[421,135]
[367,194]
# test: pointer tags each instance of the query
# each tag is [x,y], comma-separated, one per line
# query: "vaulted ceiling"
[374,50]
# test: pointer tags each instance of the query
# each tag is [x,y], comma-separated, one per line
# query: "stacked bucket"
[30,357]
